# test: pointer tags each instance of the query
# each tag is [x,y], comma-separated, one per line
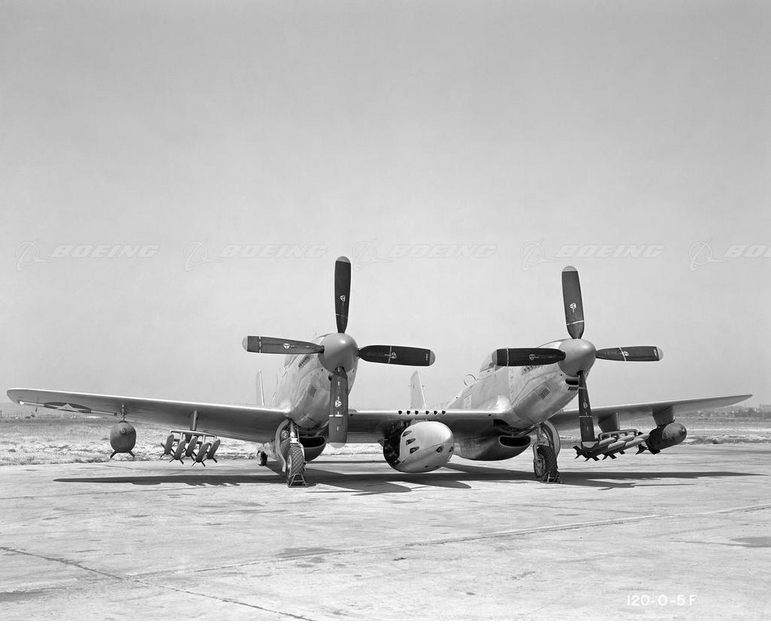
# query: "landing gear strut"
[545,450]
[294,456]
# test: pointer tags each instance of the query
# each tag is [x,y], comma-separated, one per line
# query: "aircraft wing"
[369,425]
[249,423]
[647,409]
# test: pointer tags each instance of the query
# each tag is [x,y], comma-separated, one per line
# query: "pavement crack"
[52,559]
[148,583]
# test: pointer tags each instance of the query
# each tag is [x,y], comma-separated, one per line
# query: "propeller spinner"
[338,354]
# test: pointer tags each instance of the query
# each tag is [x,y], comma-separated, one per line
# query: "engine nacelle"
[420,447]
[666,436]
[314,446]
[492,448]
[123,437]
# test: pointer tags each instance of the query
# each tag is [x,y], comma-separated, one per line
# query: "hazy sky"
[153,154]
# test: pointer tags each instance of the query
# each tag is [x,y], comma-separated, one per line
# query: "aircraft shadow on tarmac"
[463,477]
[364,484]
[639,479]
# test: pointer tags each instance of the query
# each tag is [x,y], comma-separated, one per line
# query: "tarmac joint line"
[488,535]
[139,581]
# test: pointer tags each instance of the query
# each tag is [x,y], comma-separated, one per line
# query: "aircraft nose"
[340,350]
[579,356]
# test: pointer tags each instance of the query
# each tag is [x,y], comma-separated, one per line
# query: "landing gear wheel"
[295,466]
[545,465]
[263,459]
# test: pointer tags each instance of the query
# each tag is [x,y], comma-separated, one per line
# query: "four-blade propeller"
[575,355]
[338,354]
[580,354]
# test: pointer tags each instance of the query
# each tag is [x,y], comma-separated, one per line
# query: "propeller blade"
[585,412]
[338,409]
[631,353]
[574,306]
[397,355]
[275,345]
[342,292]
[508,357]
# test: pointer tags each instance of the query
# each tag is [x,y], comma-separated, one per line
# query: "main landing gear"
[288,451]
[545,451]
[295,466]
[291,454]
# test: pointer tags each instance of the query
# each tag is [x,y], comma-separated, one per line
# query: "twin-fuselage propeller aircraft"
[516,402]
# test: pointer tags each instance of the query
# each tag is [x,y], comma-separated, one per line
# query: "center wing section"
[248,423]
[366,426]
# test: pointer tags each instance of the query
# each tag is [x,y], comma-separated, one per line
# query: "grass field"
[63,438]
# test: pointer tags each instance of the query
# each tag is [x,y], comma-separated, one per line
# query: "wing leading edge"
[368,425]
[259,424]
[659,411]
[249,423]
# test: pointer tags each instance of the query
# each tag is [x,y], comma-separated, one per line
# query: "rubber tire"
[295,463]
[546,464]
[553,436]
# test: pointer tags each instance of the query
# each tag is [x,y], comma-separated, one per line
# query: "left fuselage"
[303,389]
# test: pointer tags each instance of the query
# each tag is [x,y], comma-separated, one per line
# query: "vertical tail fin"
[260,390]
[417,399]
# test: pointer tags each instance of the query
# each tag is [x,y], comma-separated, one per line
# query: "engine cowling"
[492,448]
[123,437]
[666,436]
[419,447]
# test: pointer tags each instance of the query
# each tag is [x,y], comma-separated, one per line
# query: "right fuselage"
[535,392]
